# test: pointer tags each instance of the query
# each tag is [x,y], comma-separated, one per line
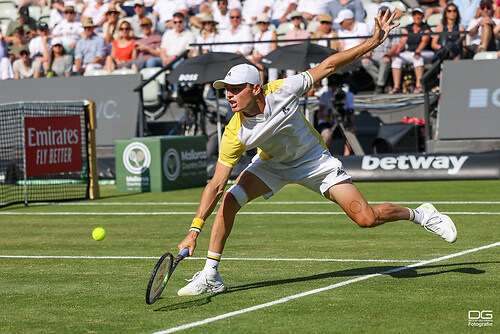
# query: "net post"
[94,192]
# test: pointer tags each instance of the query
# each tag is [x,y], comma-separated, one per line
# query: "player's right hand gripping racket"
[162,273]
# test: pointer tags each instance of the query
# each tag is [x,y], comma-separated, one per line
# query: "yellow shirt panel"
[231,147]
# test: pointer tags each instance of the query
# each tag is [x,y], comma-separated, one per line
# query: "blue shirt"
[467,9]
[89,49]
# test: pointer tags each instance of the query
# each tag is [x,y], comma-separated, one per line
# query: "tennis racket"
[162,273]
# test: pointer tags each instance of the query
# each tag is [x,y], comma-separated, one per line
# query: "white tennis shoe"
[200,283]
[438,223]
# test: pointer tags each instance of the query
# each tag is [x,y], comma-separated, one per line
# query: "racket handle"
[183,253]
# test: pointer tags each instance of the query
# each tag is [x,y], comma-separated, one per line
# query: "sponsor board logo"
[452,164]
[479,98]
[174,163]
[136,158]
[478,318]
[188,77]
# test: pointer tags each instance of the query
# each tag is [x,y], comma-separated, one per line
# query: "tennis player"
[290,151]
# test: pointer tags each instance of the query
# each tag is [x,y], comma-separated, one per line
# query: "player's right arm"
[211,195]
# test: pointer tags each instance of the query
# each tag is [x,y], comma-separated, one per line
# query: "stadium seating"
[486,55]
[434,19]
[3,26]
[95,73]
[405,20]
[123,71]
[151,93]
[312,25]
[35,12]
[7,11]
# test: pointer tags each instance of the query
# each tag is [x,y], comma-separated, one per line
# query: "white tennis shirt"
[282,134]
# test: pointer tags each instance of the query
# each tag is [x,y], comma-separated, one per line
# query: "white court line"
[251,203]
[330,287]
[173,213]
[192,258]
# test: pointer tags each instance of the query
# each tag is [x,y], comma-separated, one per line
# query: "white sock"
[212,264]
[416,215]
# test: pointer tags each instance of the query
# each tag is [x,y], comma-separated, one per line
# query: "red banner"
[53,145]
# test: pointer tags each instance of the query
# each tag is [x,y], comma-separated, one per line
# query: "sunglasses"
[451,10]
[178,22]
[235,17]
[209,22]
[125,29]
[69,12]
[325,22]
[486,7]
[296,18]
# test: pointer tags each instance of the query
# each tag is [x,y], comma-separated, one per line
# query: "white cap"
[55,41]
[344,14]
[240,74]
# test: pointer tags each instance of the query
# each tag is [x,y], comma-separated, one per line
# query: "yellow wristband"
[198,223]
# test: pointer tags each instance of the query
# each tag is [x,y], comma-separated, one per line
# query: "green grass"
[58,295]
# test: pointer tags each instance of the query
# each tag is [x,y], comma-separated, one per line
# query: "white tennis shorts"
[318,175]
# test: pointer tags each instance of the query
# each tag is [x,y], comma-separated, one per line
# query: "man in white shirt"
[96,10]
[350,28]
[36,45]
[237,33]
[164,10]
[252,8]
[68,30]
[140,13]
[175,41]
[221,15]
[481,29]
[280,10]
[312,8]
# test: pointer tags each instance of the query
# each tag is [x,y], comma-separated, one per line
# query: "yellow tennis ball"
[99,234]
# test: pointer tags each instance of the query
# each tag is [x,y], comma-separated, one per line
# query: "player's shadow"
[393,271]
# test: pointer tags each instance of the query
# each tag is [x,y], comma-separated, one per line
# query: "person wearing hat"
[148,48]
[39,45]
[60,64]
[297,32]
[372,10]
[260,50]
[349,27]
[69,30]
[110,26]
[290,151]
[140,13]
[415,48]
[355,6]
[24,20]
[96,10]
[208,34]
[325,30]
[91,49]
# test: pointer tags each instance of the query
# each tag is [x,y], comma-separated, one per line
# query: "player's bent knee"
[239,194]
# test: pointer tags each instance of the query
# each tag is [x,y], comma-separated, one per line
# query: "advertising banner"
[420,167]
[53,145]
[160,163]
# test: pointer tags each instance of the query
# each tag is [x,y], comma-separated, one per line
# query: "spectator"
[467,9]
[221,15]
[148,47]
[311,8]
[6,71]
[69,30]
[175,41]
[355,6]
[197,6]
[450,22]
[24,20]
[378,62]
[417,51]
[90,51]
[19,42]
[373,8]
[123,49]
[496,6]
[136,20]
[297,32]
[280,9]
[432,7]
[260,50]
[96,10]
[252,8]
[164,11]
[208,34]
[60,64]
[481,29]
[24,67]
[325,31]
[39,44]
[110,27]
[237,33]
[349,27]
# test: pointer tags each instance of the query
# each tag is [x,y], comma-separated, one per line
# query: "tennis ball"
[99,234]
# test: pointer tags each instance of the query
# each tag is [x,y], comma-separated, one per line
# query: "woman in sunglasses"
[450,22]
[123,49]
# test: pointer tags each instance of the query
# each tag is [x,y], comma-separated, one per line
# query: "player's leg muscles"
[350,199]
[253,187]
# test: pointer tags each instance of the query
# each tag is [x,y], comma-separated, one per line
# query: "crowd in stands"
[40,38]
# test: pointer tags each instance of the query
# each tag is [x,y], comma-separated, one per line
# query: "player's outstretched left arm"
[339,60]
